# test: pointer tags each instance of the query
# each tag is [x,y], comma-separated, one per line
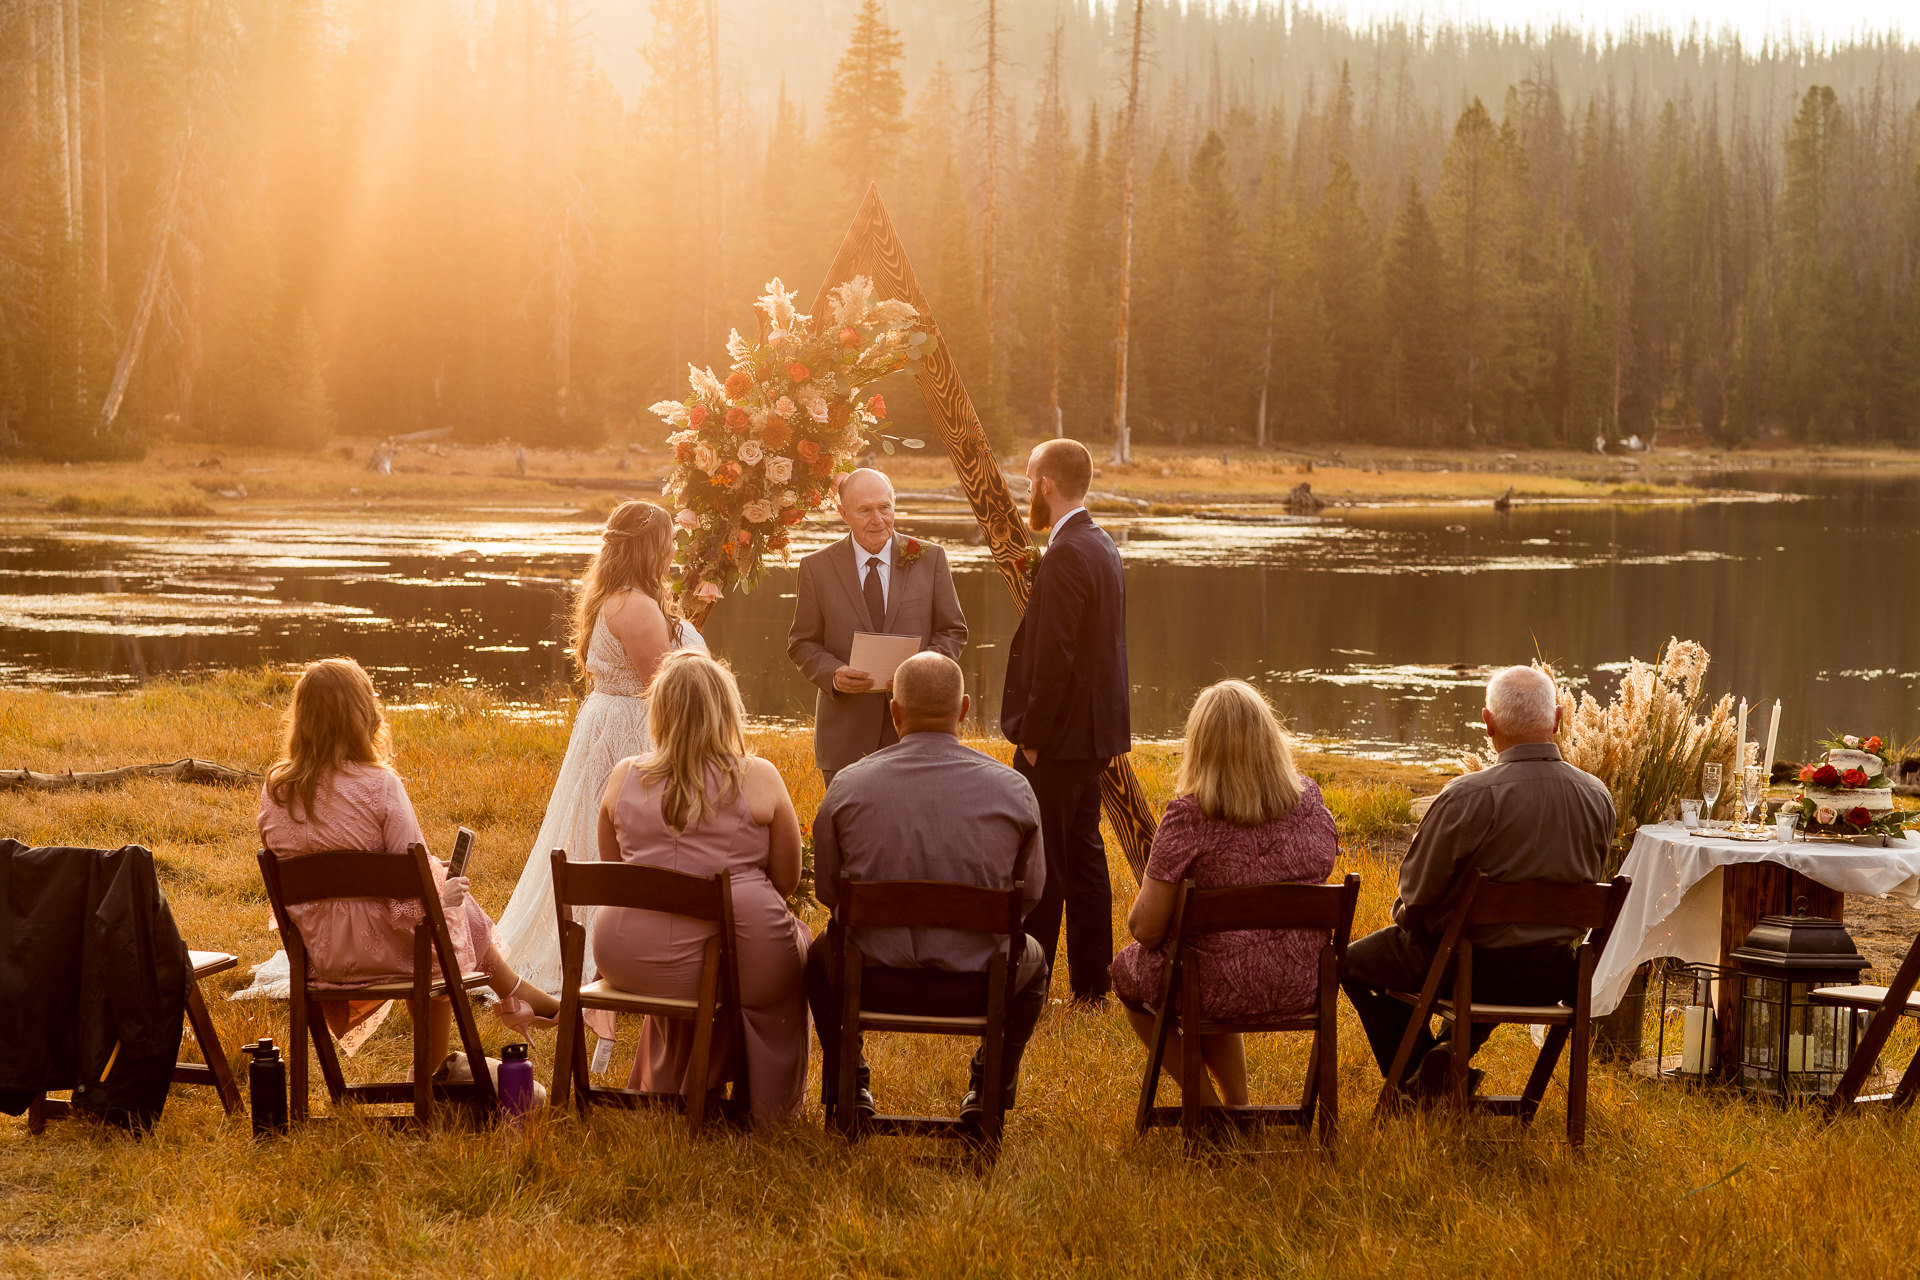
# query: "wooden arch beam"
[872,248]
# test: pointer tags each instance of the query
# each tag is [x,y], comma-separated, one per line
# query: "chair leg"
[572,1037]
[1193,1067]
[1156,1054]
[693,1089]
[420,1010]
[297,1033]
[205,1034]
[1542,1074]
[1326,1050]
[1460,1039]
[1577,1083]
[1866,1056]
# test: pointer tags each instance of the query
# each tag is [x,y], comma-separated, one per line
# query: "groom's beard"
[1039,519]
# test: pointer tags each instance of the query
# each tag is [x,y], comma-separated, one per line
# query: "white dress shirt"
[861,568]
[1066,517]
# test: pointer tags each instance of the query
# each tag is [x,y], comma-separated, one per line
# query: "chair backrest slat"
[1264,906]
[627,884]
[347,873]
[928,904]
[1574,906]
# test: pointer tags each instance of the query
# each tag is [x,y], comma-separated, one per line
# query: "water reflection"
[1377,627]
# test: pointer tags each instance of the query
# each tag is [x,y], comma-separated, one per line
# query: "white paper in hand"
[879,655]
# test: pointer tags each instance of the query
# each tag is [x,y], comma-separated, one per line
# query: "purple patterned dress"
[1247,974]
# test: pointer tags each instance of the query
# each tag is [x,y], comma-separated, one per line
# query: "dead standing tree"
[1122,438]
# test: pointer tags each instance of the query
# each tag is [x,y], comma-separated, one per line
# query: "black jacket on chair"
[90,960]
[1067,694]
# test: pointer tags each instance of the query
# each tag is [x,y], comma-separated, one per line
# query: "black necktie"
[876,600]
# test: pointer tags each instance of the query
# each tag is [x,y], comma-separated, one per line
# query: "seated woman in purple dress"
[699,804]
[335,789]
[1241,815]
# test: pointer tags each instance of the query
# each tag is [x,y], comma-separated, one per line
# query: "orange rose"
[849,337]
[683,452]
[809,450]
[797,372]
[879,406]
[737,419]
[698,417]
[792,515]
[738,385]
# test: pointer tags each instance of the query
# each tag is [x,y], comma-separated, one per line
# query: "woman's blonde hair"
[1238,766]
[334,719]
[696,719]
[633,549]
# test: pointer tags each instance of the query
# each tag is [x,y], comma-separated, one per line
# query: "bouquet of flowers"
[756,452]
[1851,791]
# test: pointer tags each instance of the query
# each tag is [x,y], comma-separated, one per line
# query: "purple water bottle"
[516,1082]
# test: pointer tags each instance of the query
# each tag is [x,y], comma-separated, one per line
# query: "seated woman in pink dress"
[1241,815]
[336,790]
[698,803]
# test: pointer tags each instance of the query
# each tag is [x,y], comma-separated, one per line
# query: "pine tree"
[1414,307]
[866,108]
[1344,263]
[1475,216]
[1216,306]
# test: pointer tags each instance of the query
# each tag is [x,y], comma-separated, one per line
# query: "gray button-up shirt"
[1532,816]
[928,808]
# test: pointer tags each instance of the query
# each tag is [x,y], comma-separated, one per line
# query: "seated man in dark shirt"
[1531,816]
[927,808]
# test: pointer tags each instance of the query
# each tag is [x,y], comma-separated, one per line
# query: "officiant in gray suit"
[871,580]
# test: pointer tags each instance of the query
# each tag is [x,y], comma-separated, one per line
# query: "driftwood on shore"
[185,770]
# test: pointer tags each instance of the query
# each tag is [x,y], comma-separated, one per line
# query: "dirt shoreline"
[495,481]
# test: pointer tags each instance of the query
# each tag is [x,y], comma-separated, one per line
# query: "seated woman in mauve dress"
[336,790]
[1241,815]
[698,803]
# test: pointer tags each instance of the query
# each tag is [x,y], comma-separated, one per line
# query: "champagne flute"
[1709,791]
[1753,790]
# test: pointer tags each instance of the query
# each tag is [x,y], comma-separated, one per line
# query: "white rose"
[784,406]
[749,453]
[759,511]
[686,519]
[1851,741]
[787,496]
[779,469]
[705,458]
[1824,815]
[817,408]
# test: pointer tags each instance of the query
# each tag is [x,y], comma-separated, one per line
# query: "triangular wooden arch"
[872,248]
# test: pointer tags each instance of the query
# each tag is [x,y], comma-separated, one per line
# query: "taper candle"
[1773,735]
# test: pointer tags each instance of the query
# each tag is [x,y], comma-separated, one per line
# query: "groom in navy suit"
[1066,709]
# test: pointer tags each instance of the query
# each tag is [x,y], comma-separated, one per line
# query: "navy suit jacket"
[1067,693]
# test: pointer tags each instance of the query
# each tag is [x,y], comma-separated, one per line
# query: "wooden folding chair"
[213,1069]
[402,877]
[1592,907]
[929,904]
[1326,909]
[1888,1004]
[705,898]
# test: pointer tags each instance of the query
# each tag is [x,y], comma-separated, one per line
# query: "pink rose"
[784,406]
[705,458]
[708,591]
[750,452]
[1824,815]
[759,511]
[686,519]
[779,469]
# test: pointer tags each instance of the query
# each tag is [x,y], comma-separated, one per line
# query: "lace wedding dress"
[611,725]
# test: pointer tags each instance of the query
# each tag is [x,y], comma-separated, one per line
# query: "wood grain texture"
[872,248]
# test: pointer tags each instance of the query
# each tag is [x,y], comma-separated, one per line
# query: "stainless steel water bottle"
[267,1087]
[516,1082]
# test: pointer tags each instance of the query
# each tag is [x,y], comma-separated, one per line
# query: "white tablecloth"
[1673,908]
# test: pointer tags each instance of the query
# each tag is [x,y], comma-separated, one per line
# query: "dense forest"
[287,220]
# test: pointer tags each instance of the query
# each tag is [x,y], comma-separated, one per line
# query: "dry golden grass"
[1074,1192]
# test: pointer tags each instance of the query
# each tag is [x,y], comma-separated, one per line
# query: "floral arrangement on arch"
[755,453]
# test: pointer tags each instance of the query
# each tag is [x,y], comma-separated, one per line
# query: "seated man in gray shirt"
[926,808]
[1531,816]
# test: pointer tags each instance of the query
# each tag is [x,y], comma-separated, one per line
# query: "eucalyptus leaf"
[915,338]
[887,445]
[914,444]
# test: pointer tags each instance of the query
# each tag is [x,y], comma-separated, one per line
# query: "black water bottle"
[267,1087]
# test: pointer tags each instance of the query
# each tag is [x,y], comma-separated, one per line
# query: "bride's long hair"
[334,720]
[696,719]
[633,551]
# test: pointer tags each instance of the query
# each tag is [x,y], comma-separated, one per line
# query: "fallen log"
[186,770]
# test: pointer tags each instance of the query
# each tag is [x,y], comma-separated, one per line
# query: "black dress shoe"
[972,1109]
[864,1107]
[1434,1080]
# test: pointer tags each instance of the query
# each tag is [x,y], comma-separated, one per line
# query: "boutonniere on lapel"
[1029,563]
[910,551]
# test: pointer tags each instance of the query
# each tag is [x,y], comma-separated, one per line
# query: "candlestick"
[1740,744]
[1773,735]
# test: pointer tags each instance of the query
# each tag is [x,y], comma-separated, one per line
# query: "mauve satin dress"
[660,954]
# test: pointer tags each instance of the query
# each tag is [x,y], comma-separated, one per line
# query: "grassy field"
[1672,1183]
[190,481]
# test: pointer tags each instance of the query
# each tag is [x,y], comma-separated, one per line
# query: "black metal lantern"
[1790,1047]
[1690,990]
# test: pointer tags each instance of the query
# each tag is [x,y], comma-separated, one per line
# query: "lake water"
[1376,626]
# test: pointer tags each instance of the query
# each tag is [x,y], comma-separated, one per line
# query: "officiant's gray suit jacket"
[829,607]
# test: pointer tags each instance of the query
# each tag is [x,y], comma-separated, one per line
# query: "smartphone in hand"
[462,851]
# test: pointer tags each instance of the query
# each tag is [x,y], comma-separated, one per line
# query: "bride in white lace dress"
[624,622]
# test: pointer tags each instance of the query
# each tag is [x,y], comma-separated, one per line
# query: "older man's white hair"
[1522,701]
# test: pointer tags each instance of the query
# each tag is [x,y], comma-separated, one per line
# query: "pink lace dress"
[1247,973]
[353,941]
